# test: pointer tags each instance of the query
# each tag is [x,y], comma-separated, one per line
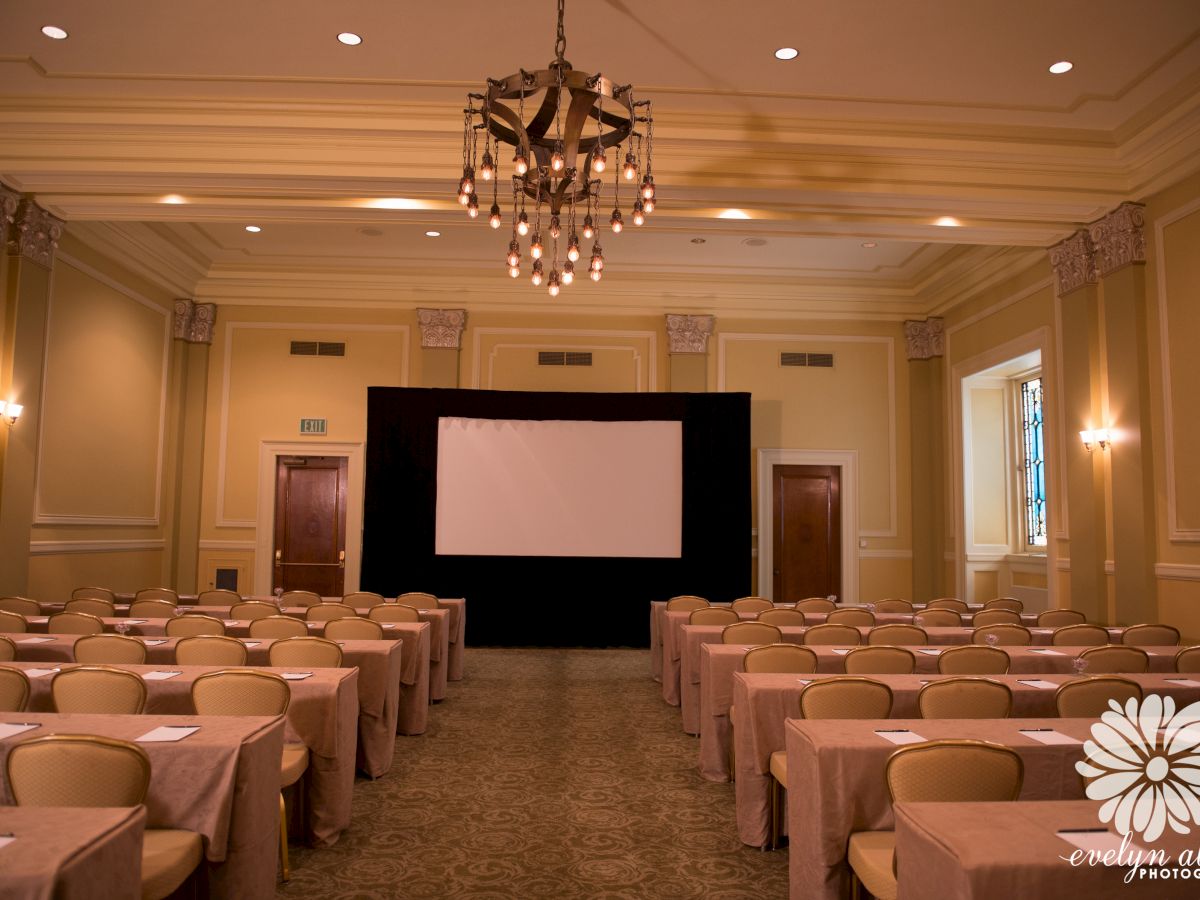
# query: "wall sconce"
[10,412]
[1100,436]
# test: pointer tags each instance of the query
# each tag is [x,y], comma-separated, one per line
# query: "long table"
[222,782]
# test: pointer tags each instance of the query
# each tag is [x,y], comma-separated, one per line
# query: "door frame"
[847,461]
[268,460]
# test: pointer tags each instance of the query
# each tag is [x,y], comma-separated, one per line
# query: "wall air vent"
[807,360]
[564,358]
[318,348]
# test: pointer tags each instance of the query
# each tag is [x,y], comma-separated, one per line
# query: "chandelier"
[559,122]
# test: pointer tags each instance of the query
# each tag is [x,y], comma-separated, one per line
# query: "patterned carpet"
[545,774]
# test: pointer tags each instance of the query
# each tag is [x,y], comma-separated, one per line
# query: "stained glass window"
[1035,462]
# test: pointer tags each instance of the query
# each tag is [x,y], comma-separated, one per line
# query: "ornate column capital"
[9,199]
[689,334]
[194,322]
[34,233]
[924,339]
[1118,239]
[441,328]
[1074,262]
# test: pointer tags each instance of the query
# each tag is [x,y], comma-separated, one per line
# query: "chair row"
[199,650]
[689,602]
[165,602]
[350,626]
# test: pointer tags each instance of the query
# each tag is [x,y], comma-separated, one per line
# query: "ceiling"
[159,131]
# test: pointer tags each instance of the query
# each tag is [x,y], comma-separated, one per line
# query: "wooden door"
[807,549]
[310,524]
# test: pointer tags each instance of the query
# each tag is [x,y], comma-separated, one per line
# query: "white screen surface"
[509,487]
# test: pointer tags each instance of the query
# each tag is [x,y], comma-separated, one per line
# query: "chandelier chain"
[560,42]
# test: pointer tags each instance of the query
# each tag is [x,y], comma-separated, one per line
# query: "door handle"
[278,557]
[341,559]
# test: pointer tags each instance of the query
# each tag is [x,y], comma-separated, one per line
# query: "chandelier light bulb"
[648,205]
[522,224]
[473,206]
[557,161]
[568,272]
[520,163]
[594,274]
[630,169]
[487,166]
[616,221]
[648,187]
[494,216]
[536,278]
[514,253]
[463,197]
[573,247]
[555,226]
[597,257]
[514,271]
[467,185]
[535,248]
[589,228]
[554,283]
[599,161]
[639,215]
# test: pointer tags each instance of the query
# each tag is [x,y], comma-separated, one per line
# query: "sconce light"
[1100,436]
[10,412]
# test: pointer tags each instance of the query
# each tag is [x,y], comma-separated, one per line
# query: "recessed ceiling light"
[253,229]
[371,232]
[948,222]
[733,214]
[53,31]
[350,39]
[433,234]
[755,242]
[395,203]
[1060,67]
[869,244]
[172,198]
[699,241]
[787,53]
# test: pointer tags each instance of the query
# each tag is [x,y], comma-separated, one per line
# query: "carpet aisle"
[545,774]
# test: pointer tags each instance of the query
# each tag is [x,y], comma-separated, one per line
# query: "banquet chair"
[109,649]
[751,633]
[781,617]
[94,593]
[418,599]
[1187,660]
[74,623]
[1151,636]
[255,693]
[323,612]
[891,605]
[1006,634]
[713,615]
[278,627]
[363,599]
[218,597]
[686,603]
[1079,636]
[751,605]
[252,609]
[22,606]
[816,605]
[880,661]
[152,608]
[833,635]
[1087,698]
[780,658]
[995,617]
[973,660]
[300,598]
[93,606]
[353,628]
[897,636]
[1010,603]
[967,697]
[12,623]
[14,689]
[91,771]
[393,612]
[158,593]
[98,689]
[8,650]
[1056,618]
[316,652]
[193,624]
[857,617]
[938,617]
[952,603]
[1116,659]
[210,650]
[925,773]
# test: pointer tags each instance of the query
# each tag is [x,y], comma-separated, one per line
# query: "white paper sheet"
[1049,736]
[229,621]
[389,624]
[5,840]
[167,733]
[842,651]
[804,680]
[1046,651]
[154,642]
[35,640]
[9,729]
[1037,683]
[39,619]
[930,651]
[900,737]
[136,621]
[159,676]
[251,643]
[1100,842]
[39,673]
[1186,682]
[296,676]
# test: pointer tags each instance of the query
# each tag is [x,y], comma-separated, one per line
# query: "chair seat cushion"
[295,761]
[779,766]
[169,856]
[870,856]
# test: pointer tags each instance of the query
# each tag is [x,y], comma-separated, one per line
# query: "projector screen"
[513,487]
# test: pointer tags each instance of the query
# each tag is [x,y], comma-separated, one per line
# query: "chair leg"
[283,850]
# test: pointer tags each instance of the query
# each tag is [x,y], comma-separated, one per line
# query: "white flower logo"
[1144,761]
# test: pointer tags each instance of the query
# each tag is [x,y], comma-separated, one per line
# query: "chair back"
[210,650]
[278,627]
[74,623]
[418,599]
[1187,660]
[194,624]
[152,608]
[890,605]
[937,617]
[1010,603]
[353,628]
[816,605]
[751,605]
[846,697]
[1087,698]
[218,597]
[954,771]
[780,658]
[713,615]
[897,636]
[94,593]
[393,612]
[98,689]
[160,593]
[313,652]
[78,770]
[857,617]
[996,616]
[781,617]
[751,633]
[240,692]
[324,612]
[8,650]
[1057,618]
[93,606]
[1116,659]
[1006,634]
[686,603]
[12,623]
[953,603]
[22,606]
[973,660]
[880,661]
[300,598]
[1151,636]
[833,635]
[363,599]
[1079,636]
[965,698]
[14,689]
[109,649]
[252,609]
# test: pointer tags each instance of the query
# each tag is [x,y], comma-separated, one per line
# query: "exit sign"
[312,426]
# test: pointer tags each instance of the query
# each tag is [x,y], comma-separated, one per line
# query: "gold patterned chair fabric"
[14,689]
[686,603]
[751,604]
[218,597]
[1006,635]
[22,606]
[158,593]
[210,650]
[393,612]
[419,599]
[278,627]
[897,635]
[1009,603]
[859,618]
[780,658]
[1151,636]
[94,593]
[93,606]
[252,610]
[313,652]
[1116,659]
[1087,698]
[86,770]
[816,605]
[12,623]
[996,616]
[880,661]
[152,608]
[8,650]
[1079,636]
[833,635]
[713,615]
[74,623]
[1057,618]
[1187,660]
[781,617]
[751,633]
[891,605]
[324,612]
[965,698]
[194,624]
[98,689]
[973,660]
[353,628]
[953,603]
[363,599]
[109,649]
[938,617]
[300,598]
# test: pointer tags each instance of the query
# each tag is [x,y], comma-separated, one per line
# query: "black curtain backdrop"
[555,601]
